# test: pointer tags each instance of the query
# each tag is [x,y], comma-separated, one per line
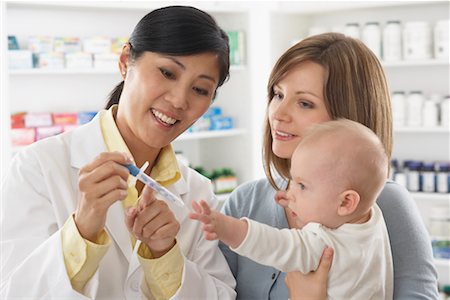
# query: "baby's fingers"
[197,208]
[205,206]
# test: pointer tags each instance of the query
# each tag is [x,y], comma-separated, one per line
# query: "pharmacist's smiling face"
[298,103]
[164,95]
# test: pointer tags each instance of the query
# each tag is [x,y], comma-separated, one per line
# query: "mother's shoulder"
[393,194]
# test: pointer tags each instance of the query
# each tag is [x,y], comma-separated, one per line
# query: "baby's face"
[313,192]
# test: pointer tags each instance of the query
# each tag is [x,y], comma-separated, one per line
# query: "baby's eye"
[301,185]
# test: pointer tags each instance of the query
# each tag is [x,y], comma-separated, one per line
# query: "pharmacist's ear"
[348,202]
[124,59]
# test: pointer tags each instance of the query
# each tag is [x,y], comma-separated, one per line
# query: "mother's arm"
[415,276]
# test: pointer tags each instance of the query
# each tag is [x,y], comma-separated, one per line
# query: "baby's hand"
[281,198]
[208,217]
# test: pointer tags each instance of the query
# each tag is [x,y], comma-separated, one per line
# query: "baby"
[337,172]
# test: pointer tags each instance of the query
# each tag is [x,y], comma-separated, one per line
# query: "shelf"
[416,63]
[186,136]
[85,71]
[210,134]
[421,130]
[431,196]
[442,262]
[63,71]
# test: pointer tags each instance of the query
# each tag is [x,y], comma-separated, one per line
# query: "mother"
[325,77]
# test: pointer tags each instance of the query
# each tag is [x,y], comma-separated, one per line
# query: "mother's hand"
[312,286]
[153,223]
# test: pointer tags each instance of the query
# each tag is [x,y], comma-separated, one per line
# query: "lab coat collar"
[87,143]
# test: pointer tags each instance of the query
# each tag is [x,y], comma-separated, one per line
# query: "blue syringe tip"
[133,169]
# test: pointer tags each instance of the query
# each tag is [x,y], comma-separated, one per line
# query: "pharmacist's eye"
[201,91]
[166,73]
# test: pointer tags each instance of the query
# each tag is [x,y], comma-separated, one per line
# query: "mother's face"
[298,103]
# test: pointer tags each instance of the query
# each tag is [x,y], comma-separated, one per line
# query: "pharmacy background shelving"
[270,28]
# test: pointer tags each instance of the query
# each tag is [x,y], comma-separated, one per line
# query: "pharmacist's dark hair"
[177,31]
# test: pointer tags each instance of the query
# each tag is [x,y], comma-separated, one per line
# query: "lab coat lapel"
[87,142]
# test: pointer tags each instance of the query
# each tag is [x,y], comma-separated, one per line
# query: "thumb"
[130,216]
[147,197]
[325,262]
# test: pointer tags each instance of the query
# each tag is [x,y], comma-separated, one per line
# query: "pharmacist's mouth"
[163,118]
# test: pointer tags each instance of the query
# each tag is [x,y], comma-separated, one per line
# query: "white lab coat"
[41,191]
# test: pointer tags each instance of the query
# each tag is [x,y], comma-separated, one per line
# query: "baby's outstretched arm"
[216,225]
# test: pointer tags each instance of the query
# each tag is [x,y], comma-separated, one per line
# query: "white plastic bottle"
[371,36]
[445,112]
[414,104]
[398,102]
[430,114]
[441,39]
[417,41]
[392,41]
[352,30]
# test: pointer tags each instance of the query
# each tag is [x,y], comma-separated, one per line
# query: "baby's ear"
[348,202]
[281,198]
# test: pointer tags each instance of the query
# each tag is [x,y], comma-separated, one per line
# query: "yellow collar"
[165,169]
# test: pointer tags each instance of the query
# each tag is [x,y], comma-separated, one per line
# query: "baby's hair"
[357,152]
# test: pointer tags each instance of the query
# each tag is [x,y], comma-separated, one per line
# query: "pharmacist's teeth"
[162,117]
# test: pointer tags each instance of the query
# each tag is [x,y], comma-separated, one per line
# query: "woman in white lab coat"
[72,224]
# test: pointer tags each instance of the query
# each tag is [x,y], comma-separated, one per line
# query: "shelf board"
[431,196]
[442,262]
[421,130]
[63,72]
[209,134]
[188,136]
[92,71]
[416,63]
[210,6]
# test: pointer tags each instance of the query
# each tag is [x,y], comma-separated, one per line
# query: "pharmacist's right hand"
[101,182]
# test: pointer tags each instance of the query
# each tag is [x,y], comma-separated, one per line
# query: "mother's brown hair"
[355,88]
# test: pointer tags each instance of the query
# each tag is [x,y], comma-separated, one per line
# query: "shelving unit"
[270,28]
[69,90]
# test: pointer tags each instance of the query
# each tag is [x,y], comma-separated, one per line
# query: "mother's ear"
[348,202]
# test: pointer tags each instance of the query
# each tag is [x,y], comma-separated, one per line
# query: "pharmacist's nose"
[178,98]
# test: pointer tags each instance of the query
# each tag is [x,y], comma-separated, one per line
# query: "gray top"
[415,276]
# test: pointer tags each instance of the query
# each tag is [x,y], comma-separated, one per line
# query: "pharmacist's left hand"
[153,223]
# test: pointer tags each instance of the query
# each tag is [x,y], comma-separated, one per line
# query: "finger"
[147,197]
[130,216]
[118,157]
[158,222]
[105,187]
[111,197]
[197,208]
[205,207]
[169,230]
[325,262]
[102,172]
[146,215]
[210,236]
[199,217]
